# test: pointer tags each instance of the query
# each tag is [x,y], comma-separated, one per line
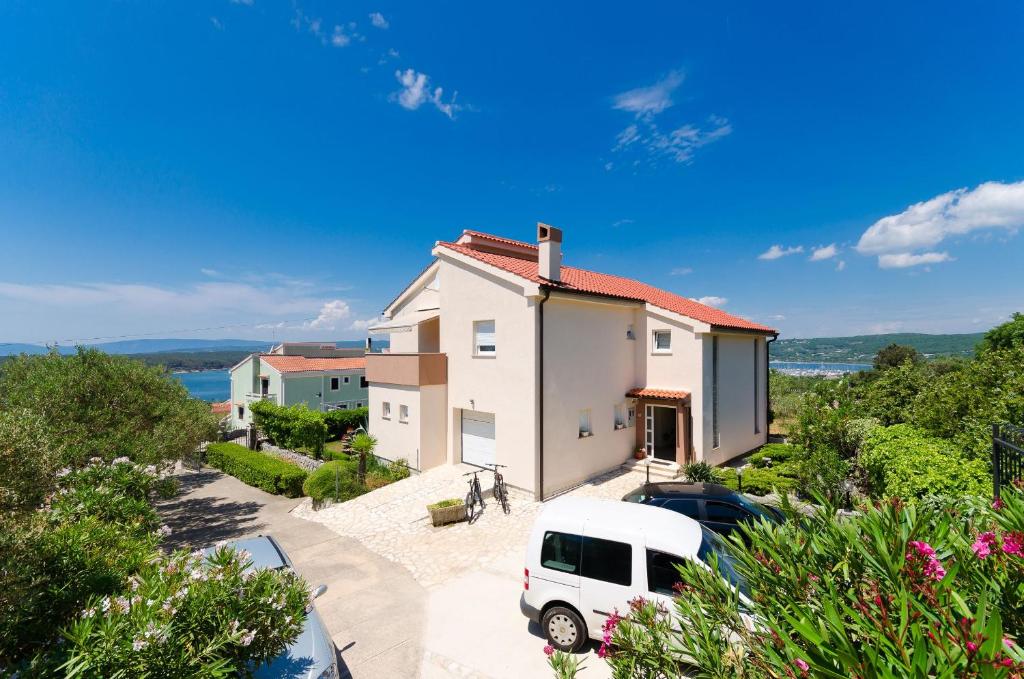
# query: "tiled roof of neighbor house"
[657,393]
[295,364]
[221,407]
[581,280]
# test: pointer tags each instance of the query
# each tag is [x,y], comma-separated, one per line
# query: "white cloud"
[216,23]
[712,300]
[649,101]
[840,265]
[777,251]
[339,38]
[331,314]
[678,144]
[680,271]
[416,91]
[247,3]
[363,324]
[622,222]
[777,317]
[922,226]
[824,252]
[378,20]
[903,260]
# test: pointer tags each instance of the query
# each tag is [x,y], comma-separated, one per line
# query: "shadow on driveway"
[199,520]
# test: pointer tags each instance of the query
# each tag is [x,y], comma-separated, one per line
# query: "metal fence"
[1007,456]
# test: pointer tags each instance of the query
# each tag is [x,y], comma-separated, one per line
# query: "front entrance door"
[661,432]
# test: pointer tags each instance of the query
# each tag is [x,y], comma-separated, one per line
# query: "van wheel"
[564,629]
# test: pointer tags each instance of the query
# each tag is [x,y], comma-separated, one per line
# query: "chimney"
[549,263]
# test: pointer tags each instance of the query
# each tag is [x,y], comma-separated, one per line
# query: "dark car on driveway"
[717,507]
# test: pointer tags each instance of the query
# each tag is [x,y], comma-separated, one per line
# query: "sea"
[823,369]
[208,385]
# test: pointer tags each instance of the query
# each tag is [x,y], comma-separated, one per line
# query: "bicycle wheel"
[470,506]
[501,495]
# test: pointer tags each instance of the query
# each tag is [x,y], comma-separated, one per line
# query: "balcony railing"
[257,396]
[416,370]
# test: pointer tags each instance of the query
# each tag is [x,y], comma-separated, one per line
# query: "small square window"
[403,413]
[630,335]
[484,343]
[385,410]
[345,379]
[662,341]
[620,416]
[631,416]
[585,430]
[359,404]
[241,412]
[335,384]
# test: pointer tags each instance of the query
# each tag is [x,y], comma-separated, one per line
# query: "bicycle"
[474,497]
[500,491]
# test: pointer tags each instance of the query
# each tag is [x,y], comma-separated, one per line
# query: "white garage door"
[477,437]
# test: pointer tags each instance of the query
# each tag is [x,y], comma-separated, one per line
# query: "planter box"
[444,515]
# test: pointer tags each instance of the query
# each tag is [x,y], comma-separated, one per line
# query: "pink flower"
[923,553]
[971,646]
[998,504]
[982,547]
[801,665]
[1013,543]
[549,650]
[603,651]
[922,548]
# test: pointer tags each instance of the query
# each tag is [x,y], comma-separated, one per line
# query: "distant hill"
[154,346]
[862,348]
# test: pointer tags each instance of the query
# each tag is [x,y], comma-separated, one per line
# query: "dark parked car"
[717,507]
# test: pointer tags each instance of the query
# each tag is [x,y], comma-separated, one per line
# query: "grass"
[454,502]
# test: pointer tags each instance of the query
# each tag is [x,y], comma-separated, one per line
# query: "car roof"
[678,488]
[662,529]
[264,550]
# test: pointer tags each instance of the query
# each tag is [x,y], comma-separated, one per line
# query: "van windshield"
[712,543]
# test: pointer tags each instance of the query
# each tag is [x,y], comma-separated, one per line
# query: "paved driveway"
[374,609]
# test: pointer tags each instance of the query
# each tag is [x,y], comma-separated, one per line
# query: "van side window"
[607,560]
[561,552]
[661,572]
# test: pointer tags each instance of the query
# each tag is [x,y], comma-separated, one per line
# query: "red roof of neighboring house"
[657,393]
[295,364]
[581,280]
[221,407]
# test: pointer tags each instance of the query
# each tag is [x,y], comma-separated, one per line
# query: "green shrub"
[859,429]
[337,480]
[294,427]
[771,454]
[341,421]
[257,469]
[699,472]
[453,502]
[902,461]
[821,474]
[757,481]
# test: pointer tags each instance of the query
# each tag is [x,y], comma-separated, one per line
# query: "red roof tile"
[221,407]
[295,364]
[581,280]
[499,239]
[657,393]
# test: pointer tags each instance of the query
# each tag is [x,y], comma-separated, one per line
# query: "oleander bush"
[257,469]
[889,592]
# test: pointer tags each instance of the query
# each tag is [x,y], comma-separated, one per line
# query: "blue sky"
[284,168]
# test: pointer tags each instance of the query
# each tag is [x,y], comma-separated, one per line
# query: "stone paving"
[393,522]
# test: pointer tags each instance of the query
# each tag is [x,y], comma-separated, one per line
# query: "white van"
[587,558]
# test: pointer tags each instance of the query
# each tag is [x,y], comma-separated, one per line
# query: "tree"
[27,459]
[92,404]
[895,355]
[1004,336]
[363,444]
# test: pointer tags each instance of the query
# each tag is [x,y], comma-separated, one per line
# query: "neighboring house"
[317,374]
[500,354]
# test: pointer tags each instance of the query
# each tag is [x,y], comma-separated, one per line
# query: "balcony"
[256,396]
[414,370]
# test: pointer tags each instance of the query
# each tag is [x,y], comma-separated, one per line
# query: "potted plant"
[640,453]
[447,511]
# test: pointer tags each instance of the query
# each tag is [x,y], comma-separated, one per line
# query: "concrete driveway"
[373,608]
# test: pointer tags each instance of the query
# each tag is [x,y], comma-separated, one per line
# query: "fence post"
[996,480]
[337,491]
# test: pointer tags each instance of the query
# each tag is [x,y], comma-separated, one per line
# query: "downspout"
[540,393]
[767,388]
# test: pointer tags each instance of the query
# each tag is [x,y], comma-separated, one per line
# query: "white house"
[500,354]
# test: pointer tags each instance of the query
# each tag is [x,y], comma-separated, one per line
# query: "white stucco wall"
[504,384]
[589,364]
[395,439]
[737,405]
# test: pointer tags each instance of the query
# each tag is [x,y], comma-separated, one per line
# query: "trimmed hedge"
[340,421]
[293,427]
[775,452]
[257,469]
[757,481]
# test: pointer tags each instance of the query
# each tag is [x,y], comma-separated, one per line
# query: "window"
[584,423]
[359,404]
[629,332]
[720,512]
[335,383]
[662,342]
[685,507]
[620,416]
[264,385]
[716,435]
[662,575]
[403,413]
[385,410]
[561,552]
[483,338]
[241,412]
[363,384]
[757,382]
[607,560]
[631,416]
[345,379]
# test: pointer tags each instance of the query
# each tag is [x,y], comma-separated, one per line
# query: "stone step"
[658,469]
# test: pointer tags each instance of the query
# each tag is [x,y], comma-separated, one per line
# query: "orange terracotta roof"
[295,364]
[221,407]
[499,239]
[581,280]
[657,393]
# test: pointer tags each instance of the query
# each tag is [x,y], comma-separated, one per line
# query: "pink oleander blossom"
[801,665]
[549,650]
[1013,544]
[982,546]
[923,555]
